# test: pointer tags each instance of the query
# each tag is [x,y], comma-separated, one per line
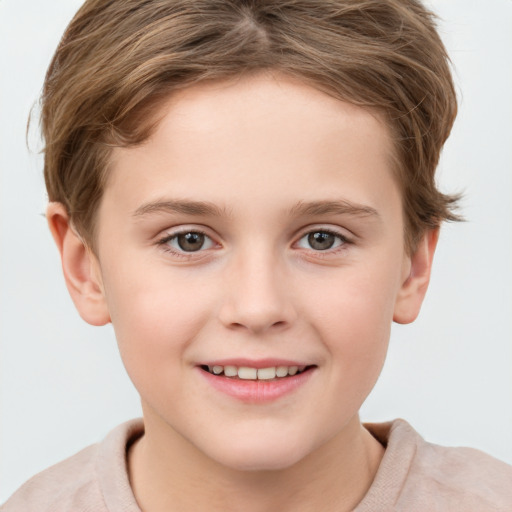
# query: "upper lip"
[253,363]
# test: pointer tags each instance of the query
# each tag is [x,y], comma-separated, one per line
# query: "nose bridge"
[257,292]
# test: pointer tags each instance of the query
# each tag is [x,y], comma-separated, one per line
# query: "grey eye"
[191,241]
[321,240]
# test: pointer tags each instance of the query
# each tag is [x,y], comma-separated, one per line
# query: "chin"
[260,462]
[260,455]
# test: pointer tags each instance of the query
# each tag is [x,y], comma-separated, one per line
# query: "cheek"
[355,304]
[155,318]
[354,315]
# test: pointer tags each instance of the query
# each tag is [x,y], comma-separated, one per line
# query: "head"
[248,184]
[118,62]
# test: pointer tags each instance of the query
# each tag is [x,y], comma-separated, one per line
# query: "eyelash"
[164,242]
[343,241]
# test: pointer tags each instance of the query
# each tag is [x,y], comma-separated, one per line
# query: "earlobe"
[80,267]
[414,287]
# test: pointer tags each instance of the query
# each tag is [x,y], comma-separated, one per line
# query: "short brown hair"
[120,59]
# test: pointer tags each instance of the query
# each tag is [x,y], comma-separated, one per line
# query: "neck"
[168,473]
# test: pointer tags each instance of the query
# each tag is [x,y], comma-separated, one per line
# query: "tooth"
[267,373]
[292,370]
[217,370]
[282,371]
[302,368]
[246,373]
[230,371]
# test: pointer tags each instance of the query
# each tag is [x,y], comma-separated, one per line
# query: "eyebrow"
[205,208]
[186,207]
[340,207]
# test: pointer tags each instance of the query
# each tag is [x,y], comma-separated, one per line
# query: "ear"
[80,267]
[416,279]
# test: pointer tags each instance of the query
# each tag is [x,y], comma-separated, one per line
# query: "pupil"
[191,241]
[321,241]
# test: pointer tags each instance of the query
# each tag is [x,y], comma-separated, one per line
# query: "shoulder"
[84,482]
[465,477]
[59,487]
[426,476]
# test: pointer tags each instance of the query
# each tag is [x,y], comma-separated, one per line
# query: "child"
[245,190]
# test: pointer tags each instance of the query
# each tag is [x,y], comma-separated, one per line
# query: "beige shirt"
[414,476]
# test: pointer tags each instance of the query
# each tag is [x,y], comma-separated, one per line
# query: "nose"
[257,296]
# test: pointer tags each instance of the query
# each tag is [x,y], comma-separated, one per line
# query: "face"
[251,257]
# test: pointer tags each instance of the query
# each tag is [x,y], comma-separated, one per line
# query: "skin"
[256,149]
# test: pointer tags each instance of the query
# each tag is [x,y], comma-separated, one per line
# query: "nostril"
[236,325]
[259,314]
[258,327]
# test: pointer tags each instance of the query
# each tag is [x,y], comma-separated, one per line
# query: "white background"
[449,374]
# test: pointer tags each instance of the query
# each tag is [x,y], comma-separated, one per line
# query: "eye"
[188,241]
[321,240]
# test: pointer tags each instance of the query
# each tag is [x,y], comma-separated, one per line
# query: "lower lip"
[257,391]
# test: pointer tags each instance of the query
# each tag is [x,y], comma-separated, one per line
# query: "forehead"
[254,137]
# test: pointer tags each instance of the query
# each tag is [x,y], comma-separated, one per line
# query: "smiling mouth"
[248,373]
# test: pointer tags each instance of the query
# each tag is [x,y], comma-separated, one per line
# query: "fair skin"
[260,226]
